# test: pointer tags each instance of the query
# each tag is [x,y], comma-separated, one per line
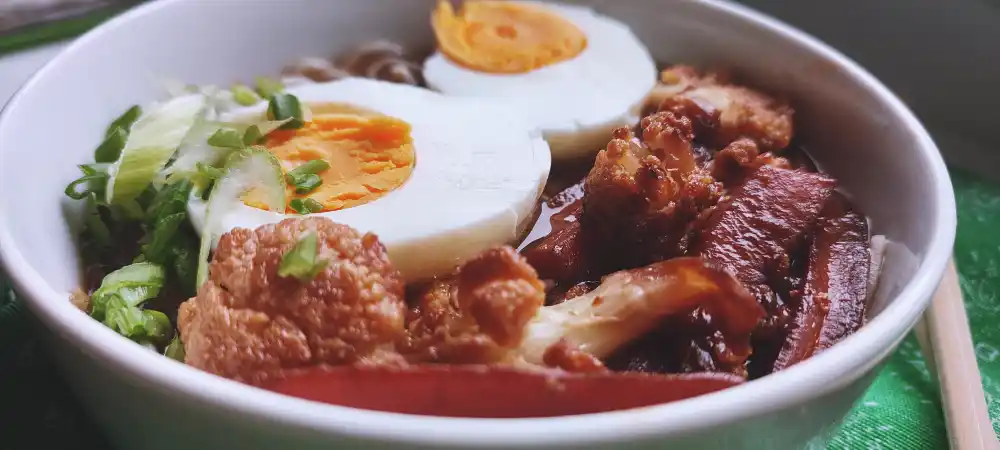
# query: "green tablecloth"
[900,411]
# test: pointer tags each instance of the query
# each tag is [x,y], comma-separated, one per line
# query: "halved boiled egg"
[438,179]
[572,73]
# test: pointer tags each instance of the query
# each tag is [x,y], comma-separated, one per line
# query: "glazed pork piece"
[832,304]
[752,232]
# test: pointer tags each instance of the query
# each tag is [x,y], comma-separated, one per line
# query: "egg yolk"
[369,154]
[504,37]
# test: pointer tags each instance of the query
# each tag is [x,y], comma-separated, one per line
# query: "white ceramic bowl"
[852,124]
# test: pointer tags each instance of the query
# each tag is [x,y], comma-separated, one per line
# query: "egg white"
[575,103]
[479,172]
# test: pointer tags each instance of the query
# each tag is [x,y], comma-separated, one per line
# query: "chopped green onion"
[267,87]
[175,350]
[303,261]
[253,135]
[245,96]
[304,178]
[307,183]
[305,205]
[170,200]
[157,250]
[250,169]
[111,148]
[89,181]
[226,138]
[312,167]
[125,121]
[185,262]
[132,285]
[209,172]
[286,106]
[95,231]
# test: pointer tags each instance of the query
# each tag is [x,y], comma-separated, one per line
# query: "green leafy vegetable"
[286,106]
[125,121]
[268,87]
[303,261]
[132,285]
[144,326]
[152,143]
[111,148]
[226,138]
[175,350]
[305,206]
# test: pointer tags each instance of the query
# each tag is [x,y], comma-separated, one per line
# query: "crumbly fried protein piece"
[752,231]
[248,323]
[723,112]
[641,196]
[479,313]
[739,160]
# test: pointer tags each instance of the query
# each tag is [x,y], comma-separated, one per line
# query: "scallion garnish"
[245,96]
[283,107]
[89,181]
[308,184]
[304,178]
[209,172]
[226,138]
[311,167]
[303,261]
[305,205]
[253,135]
[267,87]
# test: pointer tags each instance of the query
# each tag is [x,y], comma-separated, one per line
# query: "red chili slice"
[491,392]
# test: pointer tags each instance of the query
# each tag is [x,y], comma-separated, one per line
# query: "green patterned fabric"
[900,411]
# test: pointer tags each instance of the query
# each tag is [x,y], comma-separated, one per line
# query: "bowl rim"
[820,375]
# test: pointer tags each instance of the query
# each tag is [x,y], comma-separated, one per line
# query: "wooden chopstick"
[954,358]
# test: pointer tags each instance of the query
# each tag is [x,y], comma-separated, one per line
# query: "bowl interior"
[874,148]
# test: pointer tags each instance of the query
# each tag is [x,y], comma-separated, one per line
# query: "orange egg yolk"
[369,154]
[504,37]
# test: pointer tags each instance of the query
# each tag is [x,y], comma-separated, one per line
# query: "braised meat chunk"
[832,305]
[724,112]
[758,225]
[248,322]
